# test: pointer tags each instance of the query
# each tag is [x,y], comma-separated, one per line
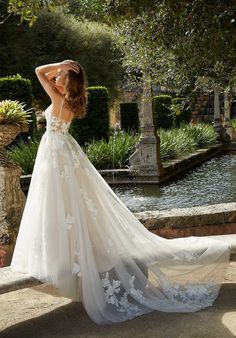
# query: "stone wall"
[217,219]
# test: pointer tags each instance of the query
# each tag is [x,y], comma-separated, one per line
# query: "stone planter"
[8,132]
[12,198]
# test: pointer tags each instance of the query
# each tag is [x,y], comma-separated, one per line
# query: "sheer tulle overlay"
[76,234]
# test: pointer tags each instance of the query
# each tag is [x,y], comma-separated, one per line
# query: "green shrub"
[129,116]
[17,88]
[24,154]
[202,134]
[114,153]
[175,143]
[181,111]
[178,142]
[162,111]
[96,123]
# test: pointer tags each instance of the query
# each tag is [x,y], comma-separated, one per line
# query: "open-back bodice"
[56,123]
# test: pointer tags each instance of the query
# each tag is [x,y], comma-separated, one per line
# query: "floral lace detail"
[59,125]
[70,221]
[65,172]
[199,294]
[74,156]
[114,295]
[89,203]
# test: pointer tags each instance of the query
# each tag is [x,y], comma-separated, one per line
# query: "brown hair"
[76,98]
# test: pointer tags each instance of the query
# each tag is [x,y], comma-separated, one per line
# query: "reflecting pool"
[211,183]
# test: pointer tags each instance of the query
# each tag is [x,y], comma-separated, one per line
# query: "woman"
[76,234]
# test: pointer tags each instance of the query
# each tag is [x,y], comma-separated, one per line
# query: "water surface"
[211,183]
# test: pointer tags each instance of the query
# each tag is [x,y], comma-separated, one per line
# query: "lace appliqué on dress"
[115,296]
[201,295]
[59,125]
[89,203]
[70,223]
[74,156]
[65,172]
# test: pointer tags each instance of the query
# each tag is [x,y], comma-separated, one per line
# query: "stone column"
[227,122]
[12,201]
[217,118]
[145,161]
[222,135]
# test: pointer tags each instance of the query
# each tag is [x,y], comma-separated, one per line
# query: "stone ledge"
[217,214]
[175,168]
[11,280]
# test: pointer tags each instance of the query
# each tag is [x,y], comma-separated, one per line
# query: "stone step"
[11,281]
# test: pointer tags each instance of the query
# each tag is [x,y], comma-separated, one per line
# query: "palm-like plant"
[14,112]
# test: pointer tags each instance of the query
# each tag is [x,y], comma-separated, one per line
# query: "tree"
[199,33]
[28,10]
[196,37]
[57,36]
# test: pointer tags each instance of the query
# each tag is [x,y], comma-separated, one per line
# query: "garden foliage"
[95,125]
[17,88]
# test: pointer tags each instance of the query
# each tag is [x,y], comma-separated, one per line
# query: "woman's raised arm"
[45,74]
[45,79]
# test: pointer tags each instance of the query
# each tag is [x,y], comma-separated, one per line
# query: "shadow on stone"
[72,321]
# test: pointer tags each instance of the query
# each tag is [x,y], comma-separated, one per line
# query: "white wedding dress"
[76,234]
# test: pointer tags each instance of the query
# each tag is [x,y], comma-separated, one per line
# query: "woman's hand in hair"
[70,65]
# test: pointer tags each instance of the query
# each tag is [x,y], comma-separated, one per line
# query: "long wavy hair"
[76,98]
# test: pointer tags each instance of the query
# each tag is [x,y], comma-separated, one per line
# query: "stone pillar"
[227,122]
[217,117]
[12,201]
[222,135]
[145,161]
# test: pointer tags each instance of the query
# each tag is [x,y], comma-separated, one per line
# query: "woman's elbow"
[37,70]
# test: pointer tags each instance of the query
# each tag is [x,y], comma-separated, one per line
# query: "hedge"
[95,125]
[181,111]
[18,88]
